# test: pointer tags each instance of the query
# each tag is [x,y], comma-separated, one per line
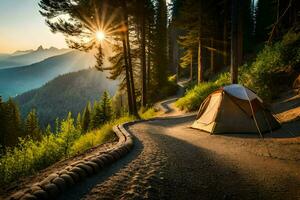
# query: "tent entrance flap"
[209,115]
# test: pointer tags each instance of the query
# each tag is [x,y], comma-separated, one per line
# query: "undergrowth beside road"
[193,97]
[30,156]
[263,75]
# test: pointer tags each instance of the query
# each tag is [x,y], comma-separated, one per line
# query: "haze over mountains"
[27,57]
[16,80]
[61,81]
[69,92]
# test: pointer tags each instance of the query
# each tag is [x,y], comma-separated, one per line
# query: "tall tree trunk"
[240,36]
[128,53]
[234,31]
[212,67]
[200,67]
[148,73]
[191,67]
[134,106]
[143,56]
[129,95]
[225,34]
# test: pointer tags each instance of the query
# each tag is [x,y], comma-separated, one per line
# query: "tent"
[234,109]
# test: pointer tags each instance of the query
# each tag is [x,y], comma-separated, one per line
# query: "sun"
[100,35]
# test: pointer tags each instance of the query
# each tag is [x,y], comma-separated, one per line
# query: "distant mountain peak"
[20,52]
[40,48]
[53,48]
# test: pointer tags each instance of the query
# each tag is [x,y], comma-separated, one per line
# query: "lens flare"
[100,35]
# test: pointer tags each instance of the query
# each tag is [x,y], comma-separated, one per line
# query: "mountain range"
[27,57]
[68,92]
[16,80]
[55,82]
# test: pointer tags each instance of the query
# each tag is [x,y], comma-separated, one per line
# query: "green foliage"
[194,97]
[10,123]
[86,118]
[32,128]
[29,155]
[68,134]
[260,75]
[148,113]
[102,111]
[68,92]
[98,136]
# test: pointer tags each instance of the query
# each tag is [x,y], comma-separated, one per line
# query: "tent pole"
[256,124]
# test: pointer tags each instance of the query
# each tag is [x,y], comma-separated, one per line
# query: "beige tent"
[234,109]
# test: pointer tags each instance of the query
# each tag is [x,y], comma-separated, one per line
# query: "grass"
[30,156]
[149,113]
[193,97]
[98,136]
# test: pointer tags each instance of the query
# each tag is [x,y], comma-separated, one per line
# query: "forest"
[152,45]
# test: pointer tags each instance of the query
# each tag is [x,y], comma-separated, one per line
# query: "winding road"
[172,161]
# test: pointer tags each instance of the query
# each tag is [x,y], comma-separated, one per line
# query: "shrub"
[98,136]
[147,114]
[30,156]
[259,76]
[194,97]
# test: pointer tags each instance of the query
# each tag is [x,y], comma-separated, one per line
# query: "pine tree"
[105,107]
[57,126]
[48,131]
[160,58]
[32,125]
[68,134]
[86,118]
[13,123]
[96,119]
[79,122]
[2,123]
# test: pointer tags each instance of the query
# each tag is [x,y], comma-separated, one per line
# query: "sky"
[22,27]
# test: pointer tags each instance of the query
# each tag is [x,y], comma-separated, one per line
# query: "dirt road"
[172,161]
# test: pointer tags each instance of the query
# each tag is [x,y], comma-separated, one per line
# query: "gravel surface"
[173,161]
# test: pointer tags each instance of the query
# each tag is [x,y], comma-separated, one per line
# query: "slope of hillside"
[69,92]
[14,81]
[22,58]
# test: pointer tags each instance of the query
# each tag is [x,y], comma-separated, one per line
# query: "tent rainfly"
[234,109]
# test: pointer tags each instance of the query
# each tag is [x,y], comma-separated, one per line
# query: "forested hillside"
[14,81]
[66,93]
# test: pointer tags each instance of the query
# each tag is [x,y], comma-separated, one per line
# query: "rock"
[29,197]
[52,190]
[63,172]
[115,154]
[94,165]
[98,161]
[104,159]
[41,194]
[60,182]
[48,179]
[35,188]
[81,172]
[68,179]
[88,169]
[110,158]
[74,176]
[17,195]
